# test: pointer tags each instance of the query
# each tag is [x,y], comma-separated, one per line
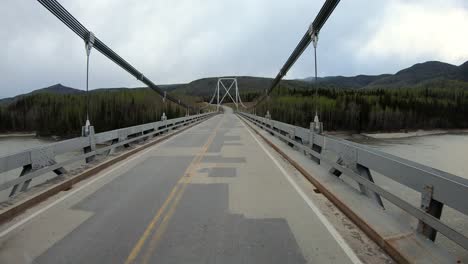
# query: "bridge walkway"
[212,194]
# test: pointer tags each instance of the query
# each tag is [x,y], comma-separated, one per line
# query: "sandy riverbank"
[28,134]
[394,135]
[417,133]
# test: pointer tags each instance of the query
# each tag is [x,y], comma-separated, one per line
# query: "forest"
[441,105]
[433,105]
[64,114]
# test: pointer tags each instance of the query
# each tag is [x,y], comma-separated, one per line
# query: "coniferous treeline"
[420,107]
[65,114]
[427,106]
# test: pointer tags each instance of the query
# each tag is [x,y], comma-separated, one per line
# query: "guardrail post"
[432,207]
[316,126]
[314,130]
[88,131]
[164,121]
[268,122]
[292,136]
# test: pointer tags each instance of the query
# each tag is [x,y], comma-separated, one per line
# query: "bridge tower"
[230,83]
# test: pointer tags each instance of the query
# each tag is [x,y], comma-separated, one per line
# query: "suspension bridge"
[224,186]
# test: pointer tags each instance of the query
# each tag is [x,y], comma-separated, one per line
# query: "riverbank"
[417,133]
[394,135]
[18,134]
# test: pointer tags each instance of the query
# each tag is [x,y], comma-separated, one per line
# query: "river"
[446,152]
[9,145]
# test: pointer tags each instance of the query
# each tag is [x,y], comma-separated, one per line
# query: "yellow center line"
[176,192]
[162,227]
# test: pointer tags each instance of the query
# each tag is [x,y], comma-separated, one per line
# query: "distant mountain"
[426,72]
[56,89]
[432,73]
[348,82]
[419,73]
[463,71]
[207,86]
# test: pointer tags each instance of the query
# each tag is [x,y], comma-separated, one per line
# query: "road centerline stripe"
[166,213]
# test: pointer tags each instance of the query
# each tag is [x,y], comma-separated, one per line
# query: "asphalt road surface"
[212,194]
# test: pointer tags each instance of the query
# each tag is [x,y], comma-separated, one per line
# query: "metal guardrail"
[437,188]
[40,160]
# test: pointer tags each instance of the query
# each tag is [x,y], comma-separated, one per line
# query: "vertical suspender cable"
[89,43]
[314,42]
[87,86]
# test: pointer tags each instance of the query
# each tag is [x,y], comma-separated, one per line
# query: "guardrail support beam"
[366,174]
[432,207]
[26,169]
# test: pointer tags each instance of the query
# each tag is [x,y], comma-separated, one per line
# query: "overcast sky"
[179,41]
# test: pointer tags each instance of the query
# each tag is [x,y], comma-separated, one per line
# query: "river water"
[447,152]
[10,145]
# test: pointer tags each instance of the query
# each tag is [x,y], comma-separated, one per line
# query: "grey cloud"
[178,41]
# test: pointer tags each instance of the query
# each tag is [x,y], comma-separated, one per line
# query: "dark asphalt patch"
[123,208]
[202,230]
[221,159]
[222,172]
[233,144]
[190,140]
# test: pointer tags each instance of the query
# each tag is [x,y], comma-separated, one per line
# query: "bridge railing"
[41,160]
[437,188]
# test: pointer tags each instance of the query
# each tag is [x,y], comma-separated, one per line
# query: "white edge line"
[339,239]
[122,163]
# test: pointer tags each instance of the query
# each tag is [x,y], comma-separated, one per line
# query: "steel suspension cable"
[325,12]
[63,15]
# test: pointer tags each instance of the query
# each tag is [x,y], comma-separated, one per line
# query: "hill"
[207,86]
[54,89]
[429,95]
[429,74]
[63,112]
[348,82]
[421,73]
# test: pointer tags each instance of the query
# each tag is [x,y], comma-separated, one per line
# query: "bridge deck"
[212,194]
